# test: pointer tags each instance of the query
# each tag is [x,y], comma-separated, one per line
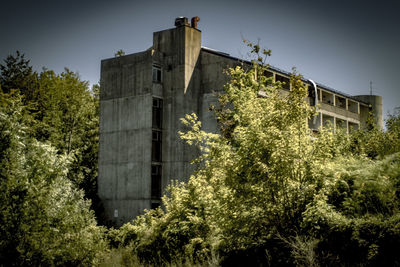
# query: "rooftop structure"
[144,95]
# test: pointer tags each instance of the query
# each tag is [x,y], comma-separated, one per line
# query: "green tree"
[44,219]
[64,112]
[374,142]
[17,73]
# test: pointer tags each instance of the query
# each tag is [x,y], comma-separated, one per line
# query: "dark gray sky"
[342,44]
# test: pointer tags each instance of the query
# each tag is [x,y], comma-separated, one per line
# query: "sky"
[345,45]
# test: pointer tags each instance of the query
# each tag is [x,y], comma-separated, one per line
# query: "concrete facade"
[144,95]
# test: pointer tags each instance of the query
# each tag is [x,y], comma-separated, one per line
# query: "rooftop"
[281,71]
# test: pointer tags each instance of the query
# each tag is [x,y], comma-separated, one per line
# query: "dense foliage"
[63,111]
[44,218]
[48,151]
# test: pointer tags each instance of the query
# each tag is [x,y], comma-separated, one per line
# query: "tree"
[67,116]
[374,142]
[63,111]
[119,53]
[18,74]
[44,219]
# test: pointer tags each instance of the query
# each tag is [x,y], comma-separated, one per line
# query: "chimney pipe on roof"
[181,21]
[194,22]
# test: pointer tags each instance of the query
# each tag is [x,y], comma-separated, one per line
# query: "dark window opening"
[268,74]
[156,136]
[284,80]
[157,113]
[155,205]
[157,74]
[156,148]
[155,181]
[157,102]
[340,102]
[327,98]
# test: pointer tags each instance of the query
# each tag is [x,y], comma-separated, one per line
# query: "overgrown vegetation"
[268,191]
[48,153]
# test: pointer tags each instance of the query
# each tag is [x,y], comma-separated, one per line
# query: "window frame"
[157,76]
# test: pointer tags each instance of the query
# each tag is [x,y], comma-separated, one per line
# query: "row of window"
[331,122]
[327,97]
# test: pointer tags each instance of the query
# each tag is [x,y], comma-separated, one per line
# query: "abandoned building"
[144,95]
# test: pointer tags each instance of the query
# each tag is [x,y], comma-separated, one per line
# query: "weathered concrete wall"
[125,136]
[181,82]
[213,80]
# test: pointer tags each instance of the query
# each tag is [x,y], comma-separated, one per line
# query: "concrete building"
[144,95]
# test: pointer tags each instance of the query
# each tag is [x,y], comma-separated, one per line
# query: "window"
[157,113]
[156,146]
[268,74]
[341,124]
[340,102]
[157,77]
[328,98]
[328,121]
[352,106]
[156,136]
[155,181]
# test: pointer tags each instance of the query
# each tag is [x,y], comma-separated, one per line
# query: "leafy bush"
[356,214]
